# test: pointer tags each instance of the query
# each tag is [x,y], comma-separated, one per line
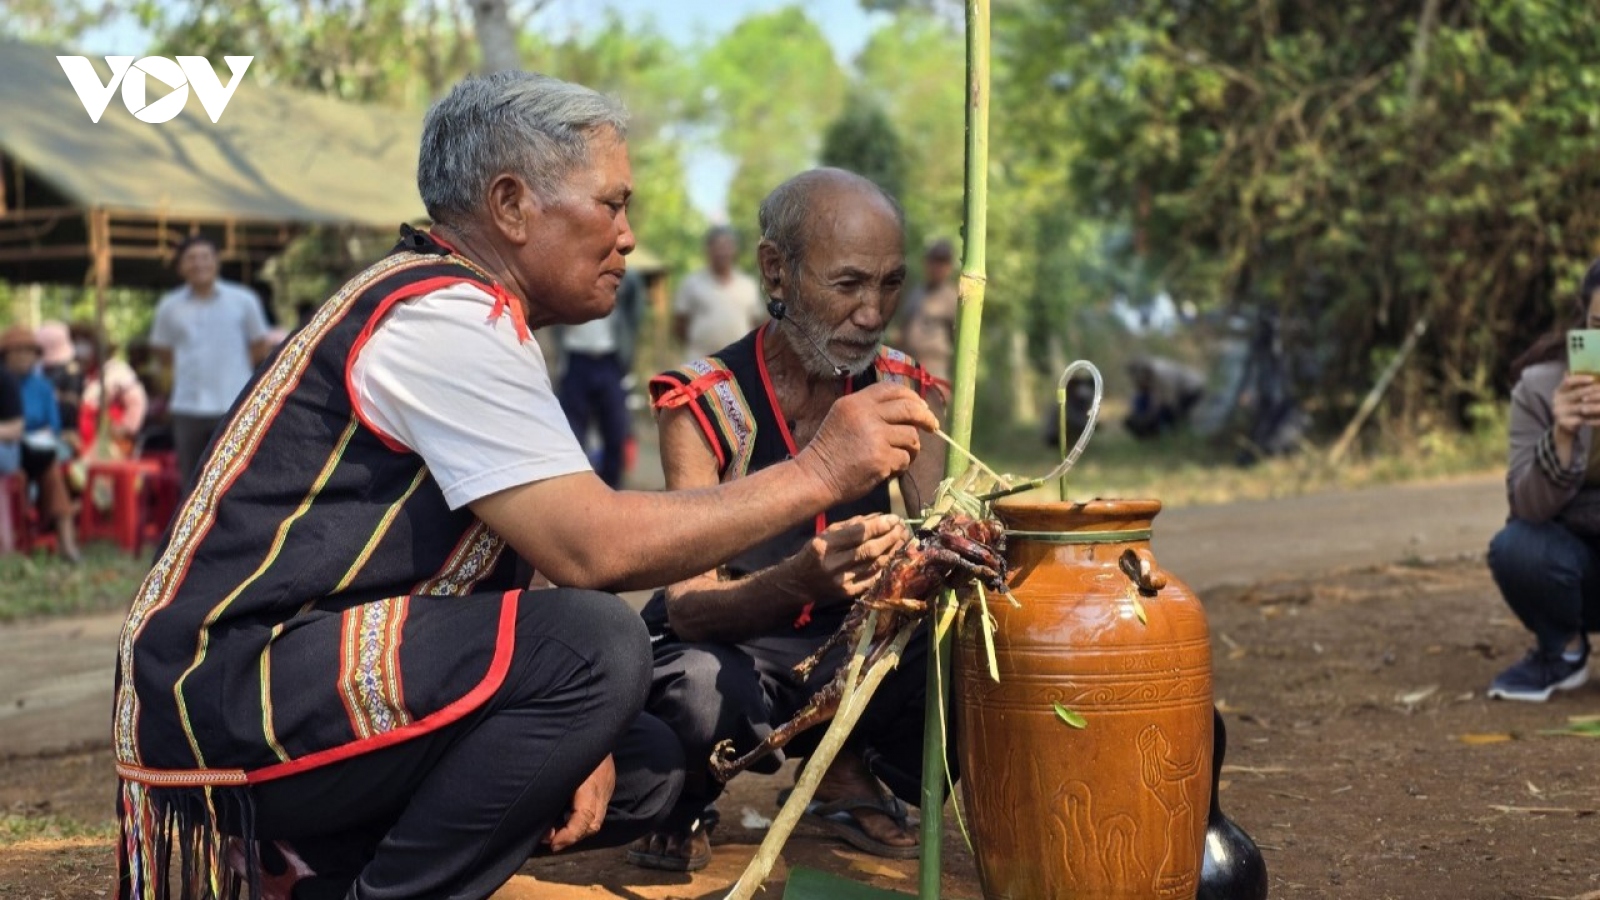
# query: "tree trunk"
[1024,382]
[496,37]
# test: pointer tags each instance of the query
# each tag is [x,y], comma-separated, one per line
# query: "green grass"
[44,585]
[1183,470]
[15,829]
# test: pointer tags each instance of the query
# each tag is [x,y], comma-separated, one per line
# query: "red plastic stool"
[114,501]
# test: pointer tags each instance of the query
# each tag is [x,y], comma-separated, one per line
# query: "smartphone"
[1583,351]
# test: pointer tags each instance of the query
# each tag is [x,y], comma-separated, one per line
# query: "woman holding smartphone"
[1546,560]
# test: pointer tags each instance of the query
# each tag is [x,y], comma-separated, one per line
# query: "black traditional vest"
[732,398]
[306,603]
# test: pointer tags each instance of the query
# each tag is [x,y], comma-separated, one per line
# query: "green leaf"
[988,634]
[1070,717]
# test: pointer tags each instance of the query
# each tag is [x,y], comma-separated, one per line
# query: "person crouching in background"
[1547,558]
[41,435]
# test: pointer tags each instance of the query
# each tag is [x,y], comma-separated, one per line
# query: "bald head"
[818,200]
[833,252]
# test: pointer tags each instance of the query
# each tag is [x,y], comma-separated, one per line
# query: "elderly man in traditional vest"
[832,263]
[331,683]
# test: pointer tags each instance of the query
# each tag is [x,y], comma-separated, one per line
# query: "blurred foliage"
[1340,162]
[770,85]
[864,141]
[915,68]
[1355,166]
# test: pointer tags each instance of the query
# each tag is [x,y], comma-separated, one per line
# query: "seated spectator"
[64,367]
[41,436]
[1164,393]
[1546,559]
[126,412]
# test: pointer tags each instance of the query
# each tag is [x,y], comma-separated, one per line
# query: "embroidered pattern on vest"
[474,559]
[369,666]
[242,433]
[734,419]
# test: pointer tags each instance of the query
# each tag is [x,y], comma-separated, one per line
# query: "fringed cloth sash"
[211,828]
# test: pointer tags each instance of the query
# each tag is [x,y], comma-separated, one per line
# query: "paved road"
[1240,543]
[55,676]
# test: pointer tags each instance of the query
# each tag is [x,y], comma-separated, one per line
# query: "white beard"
[813,341]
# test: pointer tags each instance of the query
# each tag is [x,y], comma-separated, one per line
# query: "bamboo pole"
[969,317]
[854,702]
[100,240]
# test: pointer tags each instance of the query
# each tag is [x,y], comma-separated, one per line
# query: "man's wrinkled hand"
[867,437]
[844,560]
[588,807]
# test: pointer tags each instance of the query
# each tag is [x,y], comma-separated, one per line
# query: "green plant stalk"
[969,318]
[851,706]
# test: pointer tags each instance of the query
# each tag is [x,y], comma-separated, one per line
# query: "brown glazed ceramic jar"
[1116,808]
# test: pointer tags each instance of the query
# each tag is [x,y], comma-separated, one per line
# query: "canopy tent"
[78,198]
[105,203]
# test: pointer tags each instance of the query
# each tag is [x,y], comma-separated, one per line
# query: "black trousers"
[591,390]
[708,692]
[190,434]
[455,813]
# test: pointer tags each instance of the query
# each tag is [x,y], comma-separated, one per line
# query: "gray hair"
[530,124]
[785,211]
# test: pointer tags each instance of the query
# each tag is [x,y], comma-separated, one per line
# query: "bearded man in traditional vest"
[331,683]
[832,259]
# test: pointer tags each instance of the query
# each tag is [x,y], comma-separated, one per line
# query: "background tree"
[1306,157]
[771,86]
[906,68]
[863,140]
[497,37]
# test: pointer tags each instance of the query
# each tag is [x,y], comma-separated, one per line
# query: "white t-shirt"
[594,336]
[719,314]
[210,342]
[464,394]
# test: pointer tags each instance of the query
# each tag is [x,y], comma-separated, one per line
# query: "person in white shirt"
[718,304]
[598,356]
[335,642]
[210,334]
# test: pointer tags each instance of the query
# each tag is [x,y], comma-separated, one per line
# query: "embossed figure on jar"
[1086,766]
[1171,781]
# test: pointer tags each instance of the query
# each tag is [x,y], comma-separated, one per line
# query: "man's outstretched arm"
[580,533]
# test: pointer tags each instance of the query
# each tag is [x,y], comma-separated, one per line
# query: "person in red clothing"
[126,412]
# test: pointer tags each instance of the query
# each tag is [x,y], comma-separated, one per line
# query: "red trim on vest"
[804,618]
[407,292]
[699,414]
[505,643]
[777,411]
[917,374]
[434,236]
[682,394]
[504,301]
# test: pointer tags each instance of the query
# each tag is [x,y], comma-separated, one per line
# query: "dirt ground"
[1363,758]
